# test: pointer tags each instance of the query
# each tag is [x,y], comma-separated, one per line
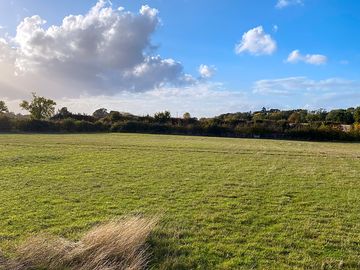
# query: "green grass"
[224,203]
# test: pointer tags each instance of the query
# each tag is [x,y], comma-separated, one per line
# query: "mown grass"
[224,203]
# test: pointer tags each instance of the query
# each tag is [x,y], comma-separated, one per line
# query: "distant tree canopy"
[341,116]
[3,107]
[339,124]
[357,115]
[162,117]
[39,107]
[186,115]
[114,116]
[64,113]
[100,113]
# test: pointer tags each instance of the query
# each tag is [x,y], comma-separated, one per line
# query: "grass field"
[223,203]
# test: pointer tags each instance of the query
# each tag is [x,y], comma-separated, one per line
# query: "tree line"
[340,124]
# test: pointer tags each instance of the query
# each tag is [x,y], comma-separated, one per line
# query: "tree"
[64,113]
[258,116]
[187,116]
[100,113]
[3,107]
[162,117]
[115,116]
[39,107]
[357,115]
[340,116]
[294,117]
[298,116]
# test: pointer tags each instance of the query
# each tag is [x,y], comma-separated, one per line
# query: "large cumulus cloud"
[105,51]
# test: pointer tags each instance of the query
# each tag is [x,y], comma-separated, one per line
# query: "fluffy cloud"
[256,42]
[303,85]
[105,51]
[285,3]
[206,71]
[313,59]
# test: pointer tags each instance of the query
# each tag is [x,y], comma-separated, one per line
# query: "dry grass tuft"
[116,245]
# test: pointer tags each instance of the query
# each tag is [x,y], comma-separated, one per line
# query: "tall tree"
[3,107]
[39,107]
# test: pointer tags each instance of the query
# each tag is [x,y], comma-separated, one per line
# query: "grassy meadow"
[222,203]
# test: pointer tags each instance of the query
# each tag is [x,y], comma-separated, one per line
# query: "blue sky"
[326,34]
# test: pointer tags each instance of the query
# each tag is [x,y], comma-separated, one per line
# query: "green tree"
[3,107]
[357,115]
[115,116]
[162,117]
[39,107]
[187,115]
[100,113]
[64,113]
[340,116]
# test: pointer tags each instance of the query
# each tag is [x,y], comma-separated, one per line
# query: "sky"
[205,57]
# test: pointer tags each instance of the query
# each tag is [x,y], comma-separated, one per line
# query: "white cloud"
[207,71]
[105,51]
[285,3]
[313,59]
[302,85]
[275,28]
[256,42]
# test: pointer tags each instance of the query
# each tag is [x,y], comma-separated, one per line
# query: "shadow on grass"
[167,251]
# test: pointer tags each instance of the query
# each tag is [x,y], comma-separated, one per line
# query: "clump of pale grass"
[116,245]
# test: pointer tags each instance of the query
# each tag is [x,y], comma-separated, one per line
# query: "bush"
[5,124]
[33,125]
[84,126]
[68,125]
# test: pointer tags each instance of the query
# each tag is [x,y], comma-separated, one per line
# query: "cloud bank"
[304,85]
[303,92]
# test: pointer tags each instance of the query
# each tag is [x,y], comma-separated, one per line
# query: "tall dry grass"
[116,245]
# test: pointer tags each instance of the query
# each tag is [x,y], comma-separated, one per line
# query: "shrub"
[34,125]
[84,126]
[68,125]
[5,123]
